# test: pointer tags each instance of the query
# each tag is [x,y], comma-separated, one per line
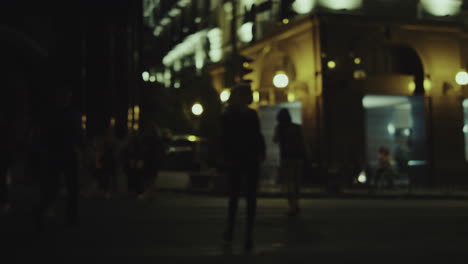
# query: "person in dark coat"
[289,137]
[244,149]
[62,133]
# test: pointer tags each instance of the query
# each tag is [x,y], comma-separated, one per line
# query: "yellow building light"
[192,138]
[136,126]
[112,121]
[256,96]
[357,60]
[411,87]
[83,118]
[291,97]
[285,21]
[427,85]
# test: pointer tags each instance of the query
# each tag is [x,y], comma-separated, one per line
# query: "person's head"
[283,116]
[241,95]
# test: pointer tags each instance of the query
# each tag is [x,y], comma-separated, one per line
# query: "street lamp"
[461,78]
[197,109]
[280,80]
[224,96]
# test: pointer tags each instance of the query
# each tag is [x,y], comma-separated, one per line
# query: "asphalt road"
[183,228]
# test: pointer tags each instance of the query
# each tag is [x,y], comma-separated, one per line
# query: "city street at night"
[181,228]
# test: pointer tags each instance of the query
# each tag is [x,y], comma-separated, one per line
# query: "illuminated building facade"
[357,74]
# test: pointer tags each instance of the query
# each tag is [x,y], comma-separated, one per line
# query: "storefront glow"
[303,6]
[280,80]
[341,4]
[442,7]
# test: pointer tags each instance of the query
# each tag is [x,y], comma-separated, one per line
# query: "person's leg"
[252,186]
[296,173]
[234,192]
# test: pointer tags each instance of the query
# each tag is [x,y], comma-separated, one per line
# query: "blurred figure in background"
[63,135]
[289,137]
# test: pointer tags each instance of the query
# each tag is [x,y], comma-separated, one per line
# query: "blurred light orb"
[357,60]
[146,76]
[256,96]
[331,64]
[411,87]
[246,32]
[362,178]
[303,6]
[341,4]
[461,78]
[280,80]
[197,109]
[391,129]
[427,84]
[224,96]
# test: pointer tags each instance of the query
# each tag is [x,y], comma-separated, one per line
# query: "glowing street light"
[461,78]
[224,96]
[197,109]
[331,64]
[280,80]
[146,76]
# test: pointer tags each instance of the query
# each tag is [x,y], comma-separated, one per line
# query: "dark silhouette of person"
[291,144]
[5,163]
[383,176]
[63,136]
[243,148]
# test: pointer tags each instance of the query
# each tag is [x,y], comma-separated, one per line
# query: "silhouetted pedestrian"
[63,135]
[244,148]
[289,137]
[5,163]
[384,174]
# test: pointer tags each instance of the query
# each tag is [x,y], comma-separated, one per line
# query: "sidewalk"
[184,182]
